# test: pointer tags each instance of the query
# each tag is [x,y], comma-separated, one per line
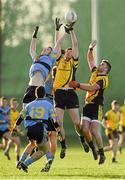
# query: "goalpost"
[95,28]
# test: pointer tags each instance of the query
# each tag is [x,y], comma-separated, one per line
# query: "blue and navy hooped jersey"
[44,64]
[38,110]
[4,116]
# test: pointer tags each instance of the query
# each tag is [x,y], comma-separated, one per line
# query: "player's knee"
[60,123]
[77,124]
[32,145]
[94,132]
[85,130]
[17,141]
[61,127]
[116,141]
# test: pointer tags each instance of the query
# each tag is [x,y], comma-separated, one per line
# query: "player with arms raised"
[92,111]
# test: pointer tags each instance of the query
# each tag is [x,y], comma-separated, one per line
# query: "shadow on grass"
[88,176]
[92,176]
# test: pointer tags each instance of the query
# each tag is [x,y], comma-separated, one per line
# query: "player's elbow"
[75,44]
[30,52]
[93,88]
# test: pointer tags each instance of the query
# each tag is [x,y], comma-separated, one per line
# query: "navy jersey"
[44,64]
[4,118]
[38,110]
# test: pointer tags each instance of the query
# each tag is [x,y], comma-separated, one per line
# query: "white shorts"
[36,79]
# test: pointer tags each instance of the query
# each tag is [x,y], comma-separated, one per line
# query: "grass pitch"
[76,165]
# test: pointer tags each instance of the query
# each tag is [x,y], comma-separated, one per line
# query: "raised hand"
[57,24]
[69,27]
[35,32]
[92,44]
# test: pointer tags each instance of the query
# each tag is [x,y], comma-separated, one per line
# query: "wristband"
[91,49]
[35,32]
[78,86]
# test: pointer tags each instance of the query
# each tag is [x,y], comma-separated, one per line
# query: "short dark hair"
[108,64]
[69,48]
[62,51]
[40,92]
[114,102]
[50,48]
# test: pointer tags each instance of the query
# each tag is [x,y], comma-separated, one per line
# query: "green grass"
[76,165]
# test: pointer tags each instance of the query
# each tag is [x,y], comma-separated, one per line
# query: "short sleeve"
[75,62]
[53,54]
[94,69]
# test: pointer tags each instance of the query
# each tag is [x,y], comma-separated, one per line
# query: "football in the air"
[70,16]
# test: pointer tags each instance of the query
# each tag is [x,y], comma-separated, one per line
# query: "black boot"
[63,149]
[94,152]
[84,144]
[102,156]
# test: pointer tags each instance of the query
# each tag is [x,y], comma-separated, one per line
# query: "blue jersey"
[4,116]
[44,64]
[48,89]
[38,110]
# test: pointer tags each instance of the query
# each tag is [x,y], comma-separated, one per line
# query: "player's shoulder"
[53,54]
[45,101]
[109,112]
[75,59]
[30,103]
[7,109]
[60,58]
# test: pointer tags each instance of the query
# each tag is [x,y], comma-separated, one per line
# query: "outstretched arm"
[69,30]
[75,52]
[58,44]
[89,87]
[32,49]
[57,28]
[84,86]
[90,57]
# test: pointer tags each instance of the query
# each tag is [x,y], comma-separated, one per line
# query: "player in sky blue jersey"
[4,124]
[37,115]
[4,115]
[52,134]
[41,66]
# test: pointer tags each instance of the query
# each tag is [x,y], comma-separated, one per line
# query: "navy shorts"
[36,132]
[93,112]
[29,95]
[66,98]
